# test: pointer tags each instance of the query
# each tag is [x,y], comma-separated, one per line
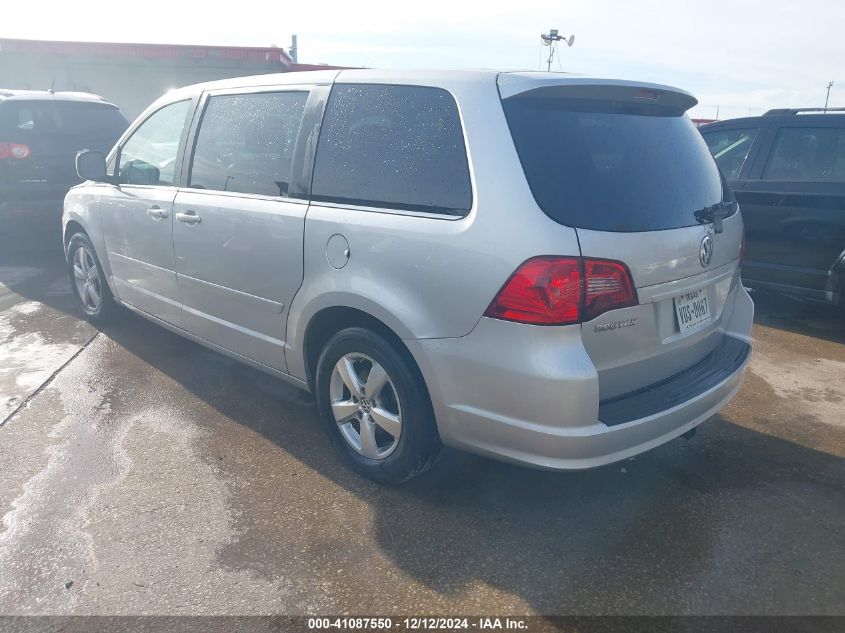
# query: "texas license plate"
[693,310]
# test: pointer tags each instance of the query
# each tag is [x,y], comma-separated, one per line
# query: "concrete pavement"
[141,473]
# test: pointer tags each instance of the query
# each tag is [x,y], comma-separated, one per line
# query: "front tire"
[88,282]
[375,407]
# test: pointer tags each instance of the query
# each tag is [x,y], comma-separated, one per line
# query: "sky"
[743,56]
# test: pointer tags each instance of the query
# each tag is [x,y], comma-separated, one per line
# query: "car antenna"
[52,84]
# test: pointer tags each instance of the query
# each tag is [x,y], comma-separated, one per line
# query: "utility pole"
[827,98]
[551,39]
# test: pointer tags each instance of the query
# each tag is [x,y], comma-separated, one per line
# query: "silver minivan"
[533,266]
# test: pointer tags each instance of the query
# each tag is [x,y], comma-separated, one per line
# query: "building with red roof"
[131,75]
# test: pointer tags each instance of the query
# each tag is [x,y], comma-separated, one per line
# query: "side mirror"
[91,165]
[137,172]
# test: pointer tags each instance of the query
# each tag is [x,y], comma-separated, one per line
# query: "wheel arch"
[80,208]
[81,214]
[72,227]
[329,320]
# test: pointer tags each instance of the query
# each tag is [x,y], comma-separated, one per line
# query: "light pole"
[293,51]
[827,98]
[551,39]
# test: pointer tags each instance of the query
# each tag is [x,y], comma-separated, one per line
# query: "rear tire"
[375,407]
[88,281]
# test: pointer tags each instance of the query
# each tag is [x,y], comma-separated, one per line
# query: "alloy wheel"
[365,405]
[86,277]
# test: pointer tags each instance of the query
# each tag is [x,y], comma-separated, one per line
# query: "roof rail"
[777,111]
[77,93]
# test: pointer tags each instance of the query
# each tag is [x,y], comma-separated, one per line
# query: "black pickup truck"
[787,170]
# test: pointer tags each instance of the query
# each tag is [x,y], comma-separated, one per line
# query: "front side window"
[246,142]
[811,154]
[149,156]
[730,149]
[396,147]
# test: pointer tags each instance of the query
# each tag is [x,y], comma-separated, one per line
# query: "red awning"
[259,55]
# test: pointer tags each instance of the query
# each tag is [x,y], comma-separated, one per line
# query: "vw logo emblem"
[705,250]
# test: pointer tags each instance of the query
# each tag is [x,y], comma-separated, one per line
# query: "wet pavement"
[39,329]
[141,473]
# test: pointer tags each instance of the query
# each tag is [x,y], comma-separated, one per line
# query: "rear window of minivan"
[93,120]
[612,165]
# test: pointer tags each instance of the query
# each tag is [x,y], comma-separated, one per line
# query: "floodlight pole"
[551,39]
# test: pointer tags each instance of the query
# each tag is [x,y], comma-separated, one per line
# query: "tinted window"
[397,147]
[148,157]
[612,166]
[730,148]
[245,143]
[808,154]
[90,120]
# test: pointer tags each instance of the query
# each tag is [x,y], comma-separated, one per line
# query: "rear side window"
[811,154]
[613,166]
[66,118]
[397,147]
[730,148]
[246,142]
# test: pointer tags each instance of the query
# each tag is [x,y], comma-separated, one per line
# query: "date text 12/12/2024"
[417,623]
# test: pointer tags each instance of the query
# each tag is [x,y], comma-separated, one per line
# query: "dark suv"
[40,134]
[787,170]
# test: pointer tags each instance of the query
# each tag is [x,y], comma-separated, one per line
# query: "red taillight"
[543,291]
[552,291]
[13,150]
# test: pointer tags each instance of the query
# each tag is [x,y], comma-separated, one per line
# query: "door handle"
[189,217]
[157,213]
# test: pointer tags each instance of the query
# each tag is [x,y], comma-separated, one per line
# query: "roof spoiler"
[527,85]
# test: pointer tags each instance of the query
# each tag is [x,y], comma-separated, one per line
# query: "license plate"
[693,310]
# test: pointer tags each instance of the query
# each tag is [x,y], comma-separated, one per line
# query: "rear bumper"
[712,371]
[530,395]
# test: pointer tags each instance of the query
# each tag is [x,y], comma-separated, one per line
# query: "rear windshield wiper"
[715,213]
